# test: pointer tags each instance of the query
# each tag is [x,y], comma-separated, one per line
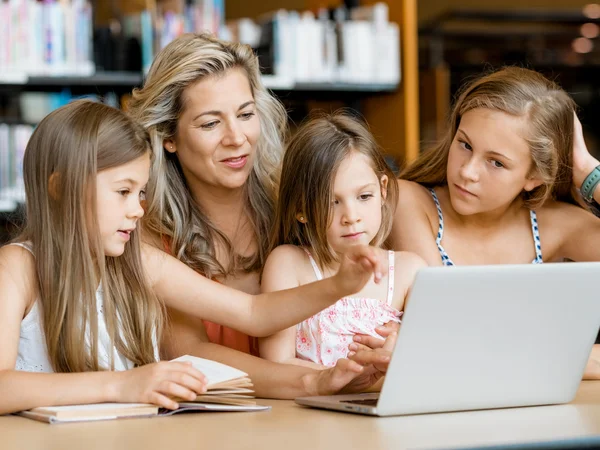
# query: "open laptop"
[479,337]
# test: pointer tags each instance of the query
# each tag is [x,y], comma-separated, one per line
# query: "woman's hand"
[357,266]
[160,383]
[583,162]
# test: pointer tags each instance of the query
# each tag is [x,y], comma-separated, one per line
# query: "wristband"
[589,184]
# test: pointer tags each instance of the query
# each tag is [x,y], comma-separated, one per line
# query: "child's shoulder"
[414,197]
[412,191]
[408,262]
[17,259]
[17,268]
[288,252]
[289,259]
[561,215]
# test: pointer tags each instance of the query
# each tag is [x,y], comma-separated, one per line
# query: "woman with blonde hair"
[217,138]
[506,184]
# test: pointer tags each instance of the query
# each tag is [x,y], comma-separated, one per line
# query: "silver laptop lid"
[493,336]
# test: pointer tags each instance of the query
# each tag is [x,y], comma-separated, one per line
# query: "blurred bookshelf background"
[396,62]
[311,56]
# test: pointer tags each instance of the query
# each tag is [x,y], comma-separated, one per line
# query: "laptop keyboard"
[366,402]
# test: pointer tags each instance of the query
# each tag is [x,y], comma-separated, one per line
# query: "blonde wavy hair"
[172,213]
[66,151]
[548,110]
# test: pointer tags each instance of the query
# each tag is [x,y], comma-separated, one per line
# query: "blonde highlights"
[62,158]
[548,111]
[310,163]
[172,212]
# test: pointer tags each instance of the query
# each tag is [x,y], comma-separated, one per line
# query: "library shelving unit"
[393,115]
[391,110]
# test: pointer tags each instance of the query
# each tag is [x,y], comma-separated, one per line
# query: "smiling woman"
[216,134]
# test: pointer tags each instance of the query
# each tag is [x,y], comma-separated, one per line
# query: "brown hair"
[172,212]
[310,163]
[548,110]
[71,145]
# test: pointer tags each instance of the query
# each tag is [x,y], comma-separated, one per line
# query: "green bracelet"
[589,184]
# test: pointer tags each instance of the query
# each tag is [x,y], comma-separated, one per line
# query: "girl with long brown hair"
[336,192]
[503,185]
[81,300]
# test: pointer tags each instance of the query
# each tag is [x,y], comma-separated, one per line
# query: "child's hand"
[159,383]
[357,266]
[366,342]
[358,373]
[583,162]
[375,355]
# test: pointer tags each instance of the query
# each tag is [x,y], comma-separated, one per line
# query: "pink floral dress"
[324,338]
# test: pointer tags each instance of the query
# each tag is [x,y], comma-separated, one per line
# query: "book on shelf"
[50,37]
[357,46]
[228,389]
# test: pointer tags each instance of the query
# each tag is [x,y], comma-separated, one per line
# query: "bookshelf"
[390,109]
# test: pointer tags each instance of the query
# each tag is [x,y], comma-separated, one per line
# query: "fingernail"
[356,338]
[385,358]
[351,353]
[379,275]
[353,347]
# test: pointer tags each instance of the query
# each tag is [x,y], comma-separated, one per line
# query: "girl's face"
[218,132]
[119,192]
[489,162]
[358,196]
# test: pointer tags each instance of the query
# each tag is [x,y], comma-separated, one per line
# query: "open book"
[228,389]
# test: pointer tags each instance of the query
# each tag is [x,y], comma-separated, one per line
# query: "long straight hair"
[311,161]
[66,151]
[172,212]
[548,111]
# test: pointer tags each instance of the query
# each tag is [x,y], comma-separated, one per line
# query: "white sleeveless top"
[33,354]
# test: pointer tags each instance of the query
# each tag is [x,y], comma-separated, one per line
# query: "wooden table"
[288,426]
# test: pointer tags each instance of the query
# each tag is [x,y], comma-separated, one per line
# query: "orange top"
[222,335]
[228,337]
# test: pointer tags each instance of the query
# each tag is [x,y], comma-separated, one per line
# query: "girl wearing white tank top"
[334,195]
[81,299]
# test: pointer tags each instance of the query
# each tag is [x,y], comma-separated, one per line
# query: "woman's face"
[217,133]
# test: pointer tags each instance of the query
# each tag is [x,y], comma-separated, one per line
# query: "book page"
[100,407]
[215,372]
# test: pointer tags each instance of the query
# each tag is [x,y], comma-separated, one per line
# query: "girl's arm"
[288,381]
[281,272]
[183,289]
[412,229]
[24,390]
